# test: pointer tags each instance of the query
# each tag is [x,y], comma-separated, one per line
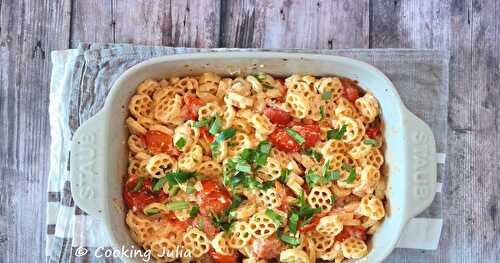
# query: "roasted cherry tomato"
[214,198]
[277,116]
[206,135]
[351,231]
[137,198]
[193,104]
[205,224]
[351,90]
[310,132]
[221,258]
[372,132]
[266,248]
[280,139]
[159,142]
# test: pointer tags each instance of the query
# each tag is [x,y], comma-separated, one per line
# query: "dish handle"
[85,167]
[422,166]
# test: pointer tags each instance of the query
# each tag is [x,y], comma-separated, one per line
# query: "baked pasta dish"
[254,168]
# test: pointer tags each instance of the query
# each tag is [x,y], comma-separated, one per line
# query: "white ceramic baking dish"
[99,149]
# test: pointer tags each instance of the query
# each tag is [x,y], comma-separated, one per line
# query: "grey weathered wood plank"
[4,207]
[295,24]
[30,30]
[92,21]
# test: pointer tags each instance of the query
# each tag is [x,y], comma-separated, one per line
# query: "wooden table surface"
[30,30]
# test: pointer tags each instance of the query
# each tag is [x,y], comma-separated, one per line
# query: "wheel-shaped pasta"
[320,197]
[370,176]
[147,122]
[333,253]
[268,198]
[148,87]
[188,161]
[209,77]
[209,169]
[360,151]
[354,248]
[355,130]
[374,158]
[261,226]
[322,242]
[238,143]
[136,144]
[187,85]
[196,241]
[245,210]
[228,115]
[163,250]
[240,234]
[337,160]
[135,127]
[140,105]
[368,106]
[371,207]
[168,110]
[161,164]
[141,227]
[344,180]
[329,226]
[220,243]
[333,146]
[330,84]
[238,100]
[270,171]
[209,110]
[137,167]
[297,105]
[168,92]
[294,255]
[261,124]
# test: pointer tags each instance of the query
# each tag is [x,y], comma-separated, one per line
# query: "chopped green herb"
[201,224]
[260,76]
[159,184]
[286,238]
[194,211]
[152,211]
[243,167]
[262,152]
[267,86]
[336,134]
[312,178]
[189,188]
[138,185]
[292,222]
[222,224]
[284,175]
[370,142]
[180,143]
[296,136]
[322,112]
[247,154]
[225,134]
[324,171]
[332,198]
[313,153]
[177,205]
[274,216]
[173,190]
[326,95]
[214,148]
[215,126]
[302,199]
[333,175]
[202,123]
[352,173]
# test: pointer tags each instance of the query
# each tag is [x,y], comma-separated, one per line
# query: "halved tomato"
[351,231]
[221,258]
[214,198]
[137,200]
[159,142]
[372,132]
[266,248]
[351,90]
[193,103]
[277,116]
[280,139]
[310,132]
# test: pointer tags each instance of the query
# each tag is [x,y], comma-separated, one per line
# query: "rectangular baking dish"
[99,149]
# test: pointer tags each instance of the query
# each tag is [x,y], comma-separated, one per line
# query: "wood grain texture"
[4,187]
[295,24]
[30,29]
[92,21]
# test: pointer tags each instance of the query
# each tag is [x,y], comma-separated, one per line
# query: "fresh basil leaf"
[292,222]
[274,216]
[312,178]
[195,210]
[152,211]
[284,175]
[243,167]
[286,238]
[370,142]
[180,143]
[326,95]
[215,126]
[177,205]
[138,185]
[296,136]
[336,134]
